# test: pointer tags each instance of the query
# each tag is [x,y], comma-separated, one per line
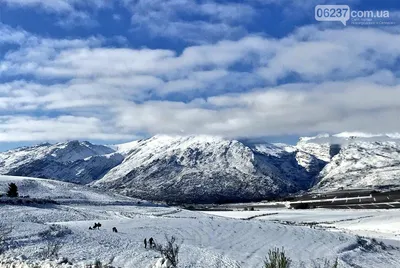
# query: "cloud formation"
[312,80]
[193,21]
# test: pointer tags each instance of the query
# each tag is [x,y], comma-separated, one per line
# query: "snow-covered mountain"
[355,160]
[205,169]
[73,161]
[209,168]
[363,164]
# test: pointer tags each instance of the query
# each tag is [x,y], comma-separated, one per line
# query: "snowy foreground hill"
[61,192]
[206,240]
[215,169]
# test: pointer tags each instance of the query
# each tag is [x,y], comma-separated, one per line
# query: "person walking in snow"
[151,241]
[145,243]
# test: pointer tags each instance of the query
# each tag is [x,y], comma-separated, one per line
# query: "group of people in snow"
[151,242]
[97,226]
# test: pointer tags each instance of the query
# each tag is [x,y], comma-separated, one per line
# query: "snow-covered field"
[376,223]
[207,240]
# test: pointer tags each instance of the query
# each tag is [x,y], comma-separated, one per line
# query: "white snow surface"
[376,223]
[125,148]
[206,240]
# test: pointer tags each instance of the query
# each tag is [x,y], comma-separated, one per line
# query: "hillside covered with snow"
[215,169]
[61,192]
[73,161]
[355,160]
[205,169]
[362,164]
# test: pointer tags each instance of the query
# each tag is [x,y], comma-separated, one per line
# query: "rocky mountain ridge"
[73,161]
[214,169]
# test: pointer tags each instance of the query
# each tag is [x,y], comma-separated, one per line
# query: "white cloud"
[310,53]
[294,109]
[198,22]
[25,128]
[209,20]
[59,6]
[347,79]
[49,5]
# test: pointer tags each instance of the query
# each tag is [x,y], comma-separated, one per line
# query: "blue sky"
[111,71]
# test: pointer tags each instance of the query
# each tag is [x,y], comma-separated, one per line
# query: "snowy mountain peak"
[204,168]
[72,161]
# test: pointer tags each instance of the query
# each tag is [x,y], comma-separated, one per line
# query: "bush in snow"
[99,264]
[5,232]
[326,264]
[12,190]
[162,263]
[372,244]
[277,259]
[20,262]
[169,252]
[64,261]
[53,238]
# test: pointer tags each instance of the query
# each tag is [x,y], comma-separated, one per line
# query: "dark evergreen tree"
[12,190]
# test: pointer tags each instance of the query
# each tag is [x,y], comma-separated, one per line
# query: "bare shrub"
[326,264]
[169,251]
[99,264]
[54,239]
[367,244]
[5,232]
[52,248]
[64,261]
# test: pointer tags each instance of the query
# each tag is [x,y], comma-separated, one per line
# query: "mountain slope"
[362,164]
[202,169]
[355,160]
[214,169]
[74,161]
